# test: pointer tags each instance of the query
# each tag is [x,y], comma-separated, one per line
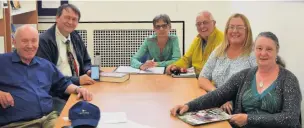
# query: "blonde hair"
[248,45]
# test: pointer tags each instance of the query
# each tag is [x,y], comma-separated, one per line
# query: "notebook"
[204,116]
[128,69]
[114,77]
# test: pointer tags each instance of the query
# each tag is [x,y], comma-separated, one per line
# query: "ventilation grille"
[82,33]
[116,47]
[117,42]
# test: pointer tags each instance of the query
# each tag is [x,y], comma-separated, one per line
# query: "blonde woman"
[232,56]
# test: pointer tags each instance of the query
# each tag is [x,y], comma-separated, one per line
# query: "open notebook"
[204,116]
[128,69]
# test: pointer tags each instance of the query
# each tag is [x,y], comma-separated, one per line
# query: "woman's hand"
[239,119]
[179,109]
[227,107]
[148,64]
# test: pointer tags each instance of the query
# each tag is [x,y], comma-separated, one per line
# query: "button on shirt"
[30,86]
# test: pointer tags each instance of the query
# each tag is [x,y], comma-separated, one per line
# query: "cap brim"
[89,122]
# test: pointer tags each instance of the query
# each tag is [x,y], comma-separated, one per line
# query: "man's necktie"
[71,59]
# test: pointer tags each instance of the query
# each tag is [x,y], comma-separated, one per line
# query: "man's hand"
[169,68]
[6,99]
[84,93]
[239,119]
[86,80]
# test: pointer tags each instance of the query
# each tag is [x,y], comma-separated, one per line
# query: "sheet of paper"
[50,3]
[2,50]
[154,70]
[129,69]
[112,117]
[128,124]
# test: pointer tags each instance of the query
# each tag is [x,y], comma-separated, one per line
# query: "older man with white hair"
[26,82]
[204,43]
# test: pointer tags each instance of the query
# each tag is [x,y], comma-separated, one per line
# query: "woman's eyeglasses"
[238,28]
[164,26]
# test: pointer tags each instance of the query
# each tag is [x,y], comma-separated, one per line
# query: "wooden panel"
[146,99]
[8,38]
[26,18]
[2,26]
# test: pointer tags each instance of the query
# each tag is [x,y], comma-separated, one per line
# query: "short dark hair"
[65,6]
[163,17]
[275,39]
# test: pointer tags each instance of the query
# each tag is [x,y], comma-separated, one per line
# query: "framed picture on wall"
[49,7]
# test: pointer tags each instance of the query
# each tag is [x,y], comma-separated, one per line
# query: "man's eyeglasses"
[206,22]
[238,28]
[164,26]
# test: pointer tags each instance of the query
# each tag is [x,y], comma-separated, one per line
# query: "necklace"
[261,84]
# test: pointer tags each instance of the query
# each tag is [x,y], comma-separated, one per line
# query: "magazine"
[204,116]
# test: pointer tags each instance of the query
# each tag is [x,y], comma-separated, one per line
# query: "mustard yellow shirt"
[195,56]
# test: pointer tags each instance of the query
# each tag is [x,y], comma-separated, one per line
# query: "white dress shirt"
[63,62]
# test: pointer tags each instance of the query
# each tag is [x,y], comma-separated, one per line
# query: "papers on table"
[128,69]
[128,124]
[112,117]
[117,120]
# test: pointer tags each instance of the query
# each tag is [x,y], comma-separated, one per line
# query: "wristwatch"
[77,89]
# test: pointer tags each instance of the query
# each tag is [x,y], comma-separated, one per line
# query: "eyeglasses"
[238,28]
[164,26]
[206,22]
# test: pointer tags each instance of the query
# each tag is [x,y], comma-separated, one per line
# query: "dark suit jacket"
[48,50]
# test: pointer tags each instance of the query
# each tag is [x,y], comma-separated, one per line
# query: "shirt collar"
[16,59]
[62,38]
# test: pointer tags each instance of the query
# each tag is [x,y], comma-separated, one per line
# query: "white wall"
[146,10]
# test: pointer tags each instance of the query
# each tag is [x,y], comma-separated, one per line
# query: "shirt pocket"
[44,83]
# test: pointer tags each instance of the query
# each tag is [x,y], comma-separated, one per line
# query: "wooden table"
[146,99]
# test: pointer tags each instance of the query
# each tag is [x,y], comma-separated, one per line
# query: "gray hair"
[163,17]
[206,13]
[275,39]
